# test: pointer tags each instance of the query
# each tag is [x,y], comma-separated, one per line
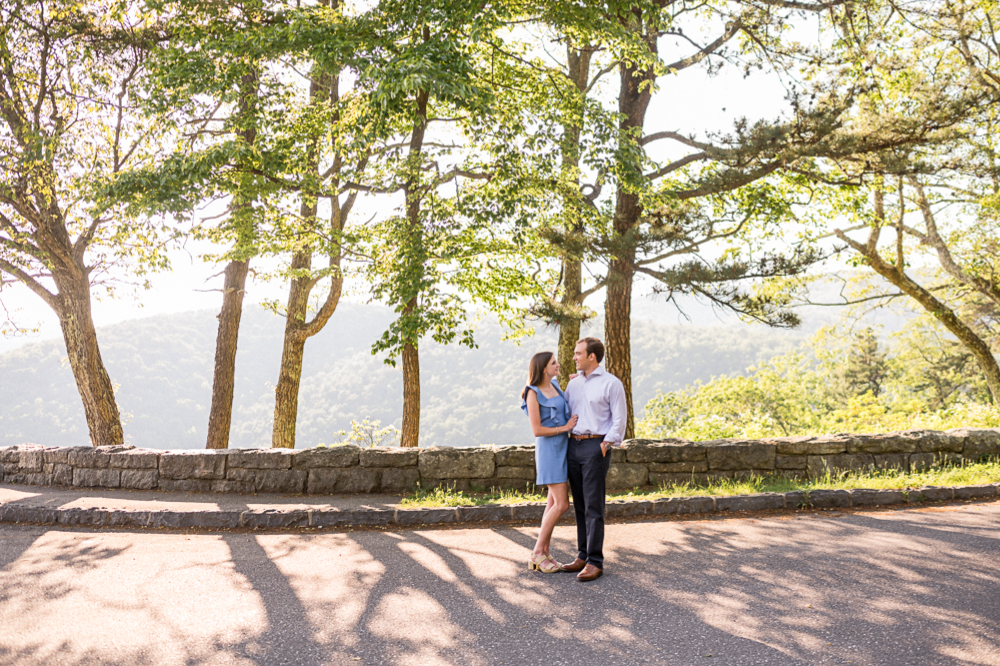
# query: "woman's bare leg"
[556,506]
[550,500]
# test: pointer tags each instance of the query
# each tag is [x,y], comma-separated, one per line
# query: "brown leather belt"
[585,437]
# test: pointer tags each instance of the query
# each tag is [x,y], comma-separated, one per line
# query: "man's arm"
[619,412]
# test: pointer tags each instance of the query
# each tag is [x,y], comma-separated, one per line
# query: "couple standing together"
[574,433]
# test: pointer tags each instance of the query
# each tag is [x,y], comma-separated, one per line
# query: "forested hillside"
[163,369]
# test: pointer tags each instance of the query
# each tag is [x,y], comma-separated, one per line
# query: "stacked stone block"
[350,469]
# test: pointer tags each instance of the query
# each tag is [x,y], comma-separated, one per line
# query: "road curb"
[272,519]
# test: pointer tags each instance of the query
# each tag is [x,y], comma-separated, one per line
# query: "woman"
[548,413]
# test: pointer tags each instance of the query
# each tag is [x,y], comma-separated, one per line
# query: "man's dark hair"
[594,346]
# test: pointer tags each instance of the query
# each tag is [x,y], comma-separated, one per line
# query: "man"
[598,399]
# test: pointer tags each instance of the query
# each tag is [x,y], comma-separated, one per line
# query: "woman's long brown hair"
[536,370]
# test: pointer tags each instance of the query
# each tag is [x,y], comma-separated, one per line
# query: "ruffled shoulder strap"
[524,396]
[566,410]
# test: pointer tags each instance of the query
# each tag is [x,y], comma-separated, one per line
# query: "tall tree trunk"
[65,263]
[633,100]
[578,61]
[297,332]
[410,431]
[224,381]
[322,88]
[618,327]
[286,393]
[569,327]
[92,381]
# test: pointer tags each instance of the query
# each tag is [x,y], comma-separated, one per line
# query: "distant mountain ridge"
[164,365]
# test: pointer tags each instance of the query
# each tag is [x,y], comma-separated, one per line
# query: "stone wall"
[349,469]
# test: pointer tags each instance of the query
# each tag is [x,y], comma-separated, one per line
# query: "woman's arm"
[535,419]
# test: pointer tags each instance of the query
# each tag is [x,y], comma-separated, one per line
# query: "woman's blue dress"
[550,452]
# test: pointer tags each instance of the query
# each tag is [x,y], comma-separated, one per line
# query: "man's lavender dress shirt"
[599,400]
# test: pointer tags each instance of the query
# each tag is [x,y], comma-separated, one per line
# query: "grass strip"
[971,474]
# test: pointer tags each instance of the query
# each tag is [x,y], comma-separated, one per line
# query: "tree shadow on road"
[16,541]
[27,561]
[785,592]
[35,571]
[887,588]
[446,598]
[289,636]
[858,588]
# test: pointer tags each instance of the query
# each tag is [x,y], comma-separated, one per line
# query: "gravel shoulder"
[147,500]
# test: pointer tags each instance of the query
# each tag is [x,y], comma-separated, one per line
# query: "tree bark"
[36,244]
[297,332]
[323,87]
[84,354]
[286,393]
[569,328]
[410,431]
[578,61]
[223,383]
[633,100]
[221,415]
[72,305]
[618,327]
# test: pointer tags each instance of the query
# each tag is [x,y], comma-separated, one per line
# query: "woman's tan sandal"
[545,564]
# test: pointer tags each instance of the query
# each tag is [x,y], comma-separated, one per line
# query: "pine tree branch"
[807,6]
[694,246]
[706,51]
[736,183]
[675,165]
[676,136]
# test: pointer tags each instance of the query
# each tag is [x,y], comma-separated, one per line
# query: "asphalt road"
[914,587]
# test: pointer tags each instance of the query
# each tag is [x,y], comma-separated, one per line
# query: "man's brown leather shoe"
[574,566]
[589,573]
